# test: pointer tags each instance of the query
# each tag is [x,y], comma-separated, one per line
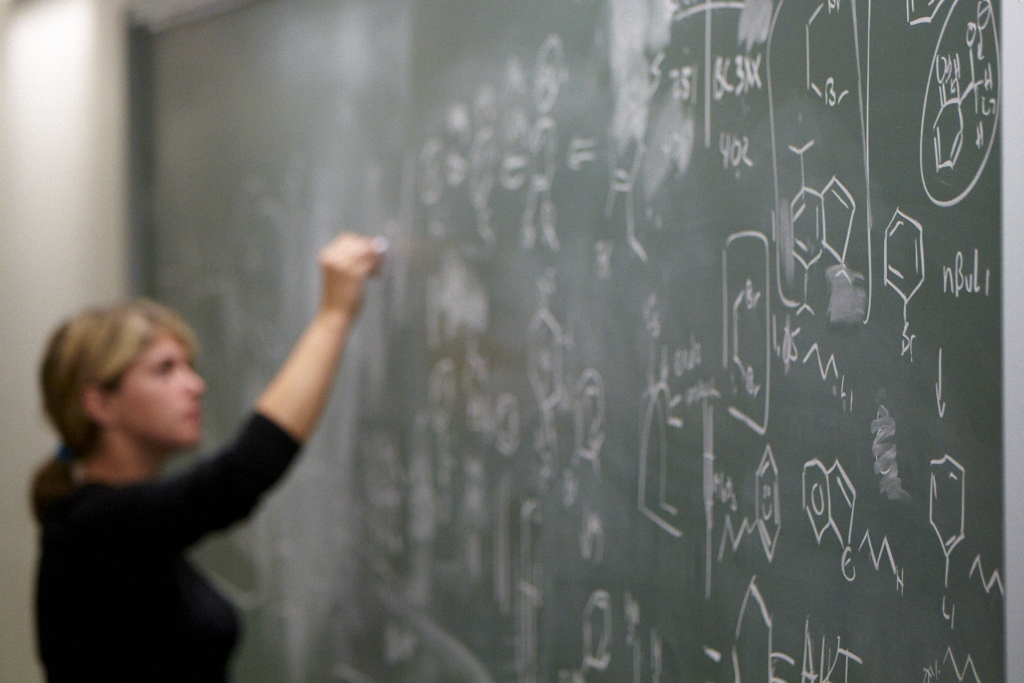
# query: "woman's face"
[158,403]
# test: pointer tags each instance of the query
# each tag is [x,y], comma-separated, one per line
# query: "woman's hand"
[345,264]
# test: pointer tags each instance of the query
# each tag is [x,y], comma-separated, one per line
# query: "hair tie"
[65,455]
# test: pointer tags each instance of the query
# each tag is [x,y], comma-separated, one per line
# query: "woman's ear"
[98,404]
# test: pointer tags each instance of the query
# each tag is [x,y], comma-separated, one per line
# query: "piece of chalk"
[380,244]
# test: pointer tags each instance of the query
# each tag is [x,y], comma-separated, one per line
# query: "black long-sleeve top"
[116,598]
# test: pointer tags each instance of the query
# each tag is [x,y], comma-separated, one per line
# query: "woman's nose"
[196,383]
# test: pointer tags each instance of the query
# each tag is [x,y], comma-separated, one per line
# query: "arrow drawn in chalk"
[940,404]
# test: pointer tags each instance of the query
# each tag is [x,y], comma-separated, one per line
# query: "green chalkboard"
[685,364]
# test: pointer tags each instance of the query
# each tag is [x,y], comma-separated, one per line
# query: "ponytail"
[52,481]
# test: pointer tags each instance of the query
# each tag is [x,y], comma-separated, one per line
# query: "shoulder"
[84,507]
[81,501]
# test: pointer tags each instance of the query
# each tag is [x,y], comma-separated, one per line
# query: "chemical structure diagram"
[658,416]
[805,216]
[546,344]
[829,498]
[946,505]
[821,221]
[768,517]
[751,662]
[961,106]
[903,252]
[549,75]
[823,216]
[506,139]
[588,419]
[600,634]
[746,334]
[821,233]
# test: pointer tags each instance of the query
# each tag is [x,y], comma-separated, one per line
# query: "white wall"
[63,237]
[1013,328]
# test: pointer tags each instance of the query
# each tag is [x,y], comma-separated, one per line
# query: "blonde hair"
[96,347]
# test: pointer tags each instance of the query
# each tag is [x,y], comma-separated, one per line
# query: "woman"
[116,598]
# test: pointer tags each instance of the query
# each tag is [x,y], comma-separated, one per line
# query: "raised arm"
[296,397]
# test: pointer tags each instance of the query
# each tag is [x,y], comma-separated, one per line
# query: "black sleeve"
[171,514]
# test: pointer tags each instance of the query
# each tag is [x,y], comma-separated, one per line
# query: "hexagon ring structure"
[818,486]
[946,504]
[817,498]
[841,514]
[545,359]
[837,211]
[805,210]
[904,255]
[769,517]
